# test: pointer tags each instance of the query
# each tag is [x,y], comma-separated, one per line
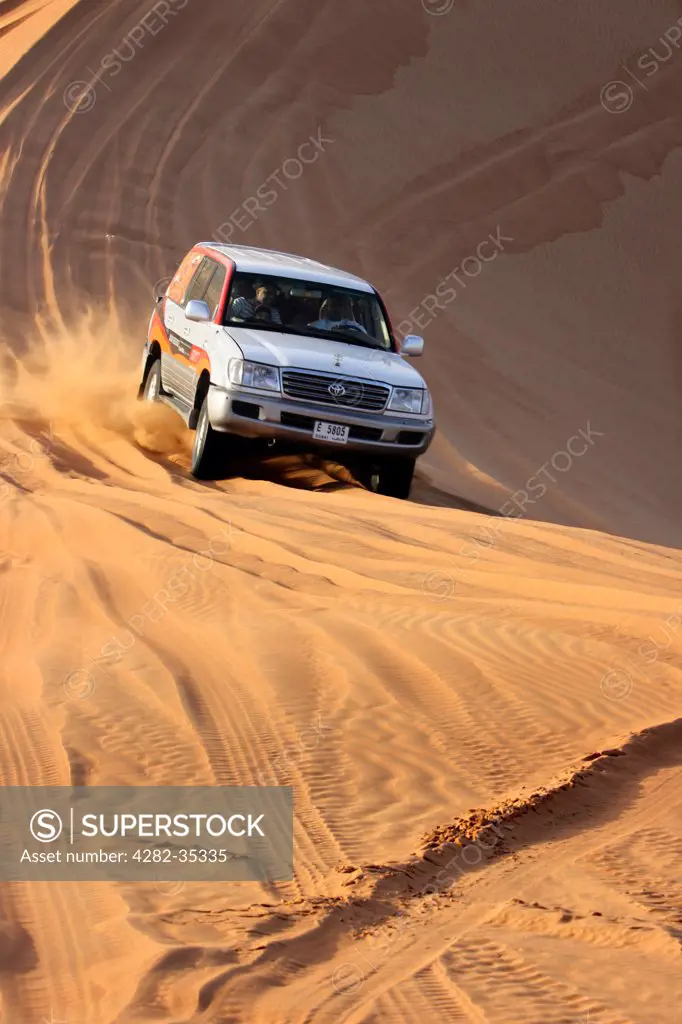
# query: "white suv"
[263,344]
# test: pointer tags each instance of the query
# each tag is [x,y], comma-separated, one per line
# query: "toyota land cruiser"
[263,344]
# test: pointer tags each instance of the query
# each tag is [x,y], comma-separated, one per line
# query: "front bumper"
[274,417]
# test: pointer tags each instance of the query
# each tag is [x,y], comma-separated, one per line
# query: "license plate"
[335,432]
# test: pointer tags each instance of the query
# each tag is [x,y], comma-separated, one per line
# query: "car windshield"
[310,308]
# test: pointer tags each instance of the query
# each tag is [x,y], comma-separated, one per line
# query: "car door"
[177,370]
[172,316]
[208,337]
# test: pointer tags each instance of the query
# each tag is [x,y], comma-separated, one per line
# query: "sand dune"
[392,680]
[448,128]
[480,714]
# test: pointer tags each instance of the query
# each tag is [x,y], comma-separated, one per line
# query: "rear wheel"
[210,450]
[392,477]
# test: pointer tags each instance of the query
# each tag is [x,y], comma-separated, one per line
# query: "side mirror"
[197,310]
[412,345]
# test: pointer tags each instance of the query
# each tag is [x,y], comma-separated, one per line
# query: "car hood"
[341,358]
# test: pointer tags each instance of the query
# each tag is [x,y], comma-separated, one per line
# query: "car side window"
[215,290]
[200,281]
[183,276]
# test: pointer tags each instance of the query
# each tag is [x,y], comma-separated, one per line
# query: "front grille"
[324,389]
[356,433]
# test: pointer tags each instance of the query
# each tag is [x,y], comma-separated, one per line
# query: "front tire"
[210,448]
[151,389]
[392,477]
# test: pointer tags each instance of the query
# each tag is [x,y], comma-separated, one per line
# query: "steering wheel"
[348,325]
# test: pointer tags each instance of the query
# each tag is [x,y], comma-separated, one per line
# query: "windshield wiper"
[346,338]
[264,325]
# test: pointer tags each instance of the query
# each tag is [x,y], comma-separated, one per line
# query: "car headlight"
[253,375]
[406,400]
[427,404]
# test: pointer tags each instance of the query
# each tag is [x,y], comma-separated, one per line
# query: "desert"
[474,695]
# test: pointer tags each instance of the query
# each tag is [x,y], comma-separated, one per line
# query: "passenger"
[263,313]
[244,309]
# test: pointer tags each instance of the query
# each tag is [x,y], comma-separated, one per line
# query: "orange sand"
[480,716]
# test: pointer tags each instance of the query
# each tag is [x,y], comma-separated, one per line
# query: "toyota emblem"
[336,389]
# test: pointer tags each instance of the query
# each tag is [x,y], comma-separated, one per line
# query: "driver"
[336,310]
[265,295]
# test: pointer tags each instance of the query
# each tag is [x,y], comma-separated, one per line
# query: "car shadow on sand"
[312,472]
